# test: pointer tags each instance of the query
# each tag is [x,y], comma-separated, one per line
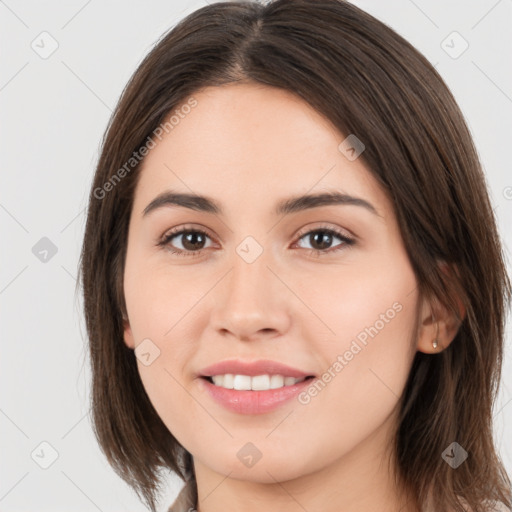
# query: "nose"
[251,302]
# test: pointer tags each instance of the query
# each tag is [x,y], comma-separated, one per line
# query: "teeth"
[257,383]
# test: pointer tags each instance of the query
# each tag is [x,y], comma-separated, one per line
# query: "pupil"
[320,235]
[191,239]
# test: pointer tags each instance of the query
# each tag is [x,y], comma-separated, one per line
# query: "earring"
[435,342]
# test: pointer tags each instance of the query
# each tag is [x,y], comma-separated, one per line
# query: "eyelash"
[165,242]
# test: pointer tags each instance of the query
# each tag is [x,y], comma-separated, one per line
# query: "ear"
[438,323]
[127,334]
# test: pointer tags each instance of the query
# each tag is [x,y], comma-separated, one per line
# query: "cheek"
[158,297]
[368,351]
[164,319]
[372,297]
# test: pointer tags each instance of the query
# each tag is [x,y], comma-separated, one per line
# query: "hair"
[368,81]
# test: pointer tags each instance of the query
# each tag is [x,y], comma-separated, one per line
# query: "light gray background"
[54,112]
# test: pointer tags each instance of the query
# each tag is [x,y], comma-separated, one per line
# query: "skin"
[248,146]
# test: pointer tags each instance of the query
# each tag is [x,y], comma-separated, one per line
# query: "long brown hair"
[367,80]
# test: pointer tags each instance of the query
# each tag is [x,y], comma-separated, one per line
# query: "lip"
[252,368]
[252,402]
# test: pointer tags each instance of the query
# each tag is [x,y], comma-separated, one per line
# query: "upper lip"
[252,368]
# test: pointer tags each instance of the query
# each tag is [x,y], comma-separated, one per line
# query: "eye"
[192,241]
[322,237]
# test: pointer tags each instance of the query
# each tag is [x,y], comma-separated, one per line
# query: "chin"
[267,470]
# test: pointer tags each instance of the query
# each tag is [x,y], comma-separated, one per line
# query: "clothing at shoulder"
[497,506]
[187,498]
[490,506]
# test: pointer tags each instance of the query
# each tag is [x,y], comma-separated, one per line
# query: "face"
[325,288]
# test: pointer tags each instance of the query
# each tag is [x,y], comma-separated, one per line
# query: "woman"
[293,283]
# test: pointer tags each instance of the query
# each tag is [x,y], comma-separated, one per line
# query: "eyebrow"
[283,207]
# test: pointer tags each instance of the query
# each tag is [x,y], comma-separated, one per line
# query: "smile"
[253,395]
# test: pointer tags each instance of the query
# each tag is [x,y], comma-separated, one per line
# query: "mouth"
[253,386]
[253,395]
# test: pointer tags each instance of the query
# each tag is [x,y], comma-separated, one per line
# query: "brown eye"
[191,241]
[321,240]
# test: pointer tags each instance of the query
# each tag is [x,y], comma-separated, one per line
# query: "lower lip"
[253,402]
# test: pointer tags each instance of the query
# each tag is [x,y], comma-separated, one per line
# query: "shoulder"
[489,506]
[497,507]
[187,498]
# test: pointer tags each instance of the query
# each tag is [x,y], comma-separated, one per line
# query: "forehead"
[249,143]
